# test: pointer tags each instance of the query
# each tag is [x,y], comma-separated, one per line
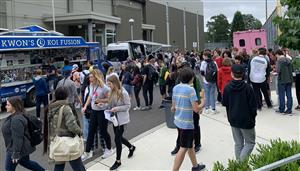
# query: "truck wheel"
[30,98]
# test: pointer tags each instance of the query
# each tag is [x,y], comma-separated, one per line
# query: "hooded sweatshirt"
[224,76]
[285,70]
[41,87]
[241,107]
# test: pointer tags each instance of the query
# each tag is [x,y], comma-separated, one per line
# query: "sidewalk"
[154,146]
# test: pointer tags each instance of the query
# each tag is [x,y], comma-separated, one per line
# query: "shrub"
[266,154]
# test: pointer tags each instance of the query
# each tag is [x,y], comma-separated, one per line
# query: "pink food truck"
[251,39]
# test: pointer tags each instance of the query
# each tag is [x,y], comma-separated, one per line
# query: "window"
[117,55]
[242,43]
[110,36]
[257,41]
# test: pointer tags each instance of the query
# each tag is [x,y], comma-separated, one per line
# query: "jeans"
[76,165]
[210,98]
[86,123]
[39,101]
[128,88]
[97,120]
[137,90]
[148,87]
[285,89]
[119,140]
[244,140]
[24,161]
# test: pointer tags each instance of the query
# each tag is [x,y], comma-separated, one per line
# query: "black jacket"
[240,104]
[16,136]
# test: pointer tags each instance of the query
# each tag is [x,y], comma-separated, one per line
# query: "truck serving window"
[257,41]
[242,43]
[117,55]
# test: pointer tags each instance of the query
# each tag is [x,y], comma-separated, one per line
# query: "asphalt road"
[141,121]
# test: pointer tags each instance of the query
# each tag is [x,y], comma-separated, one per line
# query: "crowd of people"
[195,82]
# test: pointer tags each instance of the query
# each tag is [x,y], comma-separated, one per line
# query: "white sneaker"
[86,155]
[107,153]
[206,111]
[214,112]
[137,108]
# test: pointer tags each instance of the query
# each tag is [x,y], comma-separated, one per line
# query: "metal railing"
[279,163]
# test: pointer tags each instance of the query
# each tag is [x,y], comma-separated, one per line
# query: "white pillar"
[90,30]
[184,29]
[167,23]
[198,47]
[53,15]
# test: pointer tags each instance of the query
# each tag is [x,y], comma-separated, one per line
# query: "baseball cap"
[75,66]
[238,69]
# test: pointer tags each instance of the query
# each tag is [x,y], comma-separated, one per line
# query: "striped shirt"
[183,96]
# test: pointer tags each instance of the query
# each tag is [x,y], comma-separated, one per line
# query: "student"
[184,102]
[15,133]
[119,103]
[241,107]
[41,90]
[285,80]
[224,74]
[137,83]
[161,79]
[70,126]
[97,98]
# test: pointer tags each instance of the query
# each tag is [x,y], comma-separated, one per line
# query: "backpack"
[153,74]
[211,71]
[35,127]
[86,82]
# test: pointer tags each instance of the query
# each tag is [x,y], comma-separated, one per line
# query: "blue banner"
[10,42]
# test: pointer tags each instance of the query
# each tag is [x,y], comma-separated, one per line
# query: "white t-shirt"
[203,68]
[258,70]
[97,92]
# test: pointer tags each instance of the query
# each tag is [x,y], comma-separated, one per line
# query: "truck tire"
[30,98]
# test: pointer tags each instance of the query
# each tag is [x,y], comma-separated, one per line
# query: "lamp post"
[131,21]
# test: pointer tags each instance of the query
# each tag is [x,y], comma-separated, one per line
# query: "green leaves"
[289,25]
[266,154]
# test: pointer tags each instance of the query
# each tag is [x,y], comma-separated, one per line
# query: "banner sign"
[11,43]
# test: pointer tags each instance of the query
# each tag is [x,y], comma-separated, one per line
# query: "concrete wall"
[25,15]
[176,27]
[156,15]
[103,6]
[126,10]
[191,29]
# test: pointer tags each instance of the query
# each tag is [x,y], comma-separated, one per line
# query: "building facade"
[177,23]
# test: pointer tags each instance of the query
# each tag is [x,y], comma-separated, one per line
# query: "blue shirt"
[183,96]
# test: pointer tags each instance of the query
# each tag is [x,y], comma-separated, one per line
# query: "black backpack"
[86,82]
[35,129]
[153,74]
[211,71]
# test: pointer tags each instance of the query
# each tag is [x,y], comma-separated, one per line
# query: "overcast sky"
[229,7]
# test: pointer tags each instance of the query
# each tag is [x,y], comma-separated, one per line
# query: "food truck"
[27,49]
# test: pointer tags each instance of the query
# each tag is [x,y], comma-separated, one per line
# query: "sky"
[229,7]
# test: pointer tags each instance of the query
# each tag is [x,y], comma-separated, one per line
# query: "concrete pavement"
[154,146]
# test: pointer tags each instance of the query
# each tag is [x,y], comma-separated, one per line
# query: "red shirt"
[219,61]
[224,76]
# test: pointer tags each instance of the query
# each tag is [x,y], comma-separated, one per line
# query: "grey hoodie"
[284,68]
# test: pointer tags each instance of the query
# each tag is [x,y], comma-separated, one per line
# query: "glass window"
[117,55]
[242,43]
[257,41]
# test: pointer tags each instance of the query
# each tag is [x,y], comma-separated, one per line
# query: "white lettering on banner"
[69,42]
[52,42]
[18,43]
[40,42]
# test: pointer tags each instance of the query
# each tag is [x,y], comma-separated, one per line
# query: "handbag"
[64,148]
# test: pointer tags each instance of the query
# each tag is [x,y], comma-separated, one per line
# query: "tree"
[238,23]
[289,25]
[218,28]
[251,22]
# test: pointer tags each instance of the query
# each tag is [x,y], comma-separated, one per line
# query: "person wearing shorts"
[184,103]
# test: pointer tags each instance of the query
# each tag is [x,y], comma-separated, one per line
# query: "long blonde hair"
[98,77]
[110,70]
[116,93]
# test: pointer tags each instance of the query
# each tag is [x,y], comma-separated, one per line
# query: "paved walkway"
[154,146]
